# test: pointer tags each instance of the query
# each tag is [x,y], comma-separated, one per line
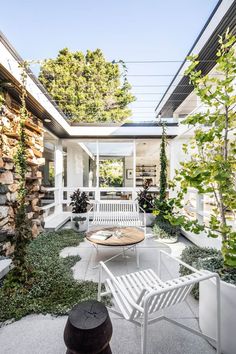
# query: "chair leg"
[144,330]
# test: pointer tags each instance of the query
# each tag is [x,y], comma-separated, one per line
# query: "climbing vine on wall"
[23,233]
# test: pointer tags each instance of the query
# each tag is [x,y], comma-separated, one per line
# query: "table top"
[129,236]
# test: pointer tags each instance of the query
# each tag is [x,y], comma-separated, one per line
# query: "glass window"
[115,164]
[147,162]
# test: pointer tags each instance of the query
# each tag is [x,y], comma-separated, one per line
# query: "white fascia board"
[96,131]
[12,66]
[220,12]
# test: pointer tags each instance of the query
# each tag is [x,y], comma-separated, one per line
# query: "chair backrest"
[166,294]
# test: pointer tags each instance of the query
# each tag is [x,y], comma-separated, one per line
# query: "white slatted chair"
[142,294]
[117,213]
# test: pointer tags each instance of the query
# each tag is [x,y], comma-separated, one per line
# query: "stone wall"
[9,128]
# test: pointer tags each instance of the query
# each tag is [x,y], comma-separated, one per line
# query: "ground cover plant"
[51,287]
[206,258]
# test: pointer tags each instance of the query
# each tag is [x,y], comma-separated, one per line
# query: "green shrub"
[163,230]
[52,288]
[206,258]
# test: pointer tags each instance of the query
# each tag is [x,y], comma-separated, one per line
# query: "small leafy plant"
[79,202]
[145,198]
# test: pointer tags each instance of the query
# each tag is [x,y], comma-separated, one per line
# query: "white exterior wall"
[177,155]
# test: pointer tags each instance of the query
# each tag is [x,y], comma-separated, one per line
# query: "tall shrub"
[163,163]
[162,205]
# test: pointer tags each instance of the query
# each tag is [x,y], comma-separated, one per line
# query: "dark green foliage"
[162,204]
[163,162]
[86,87]
[79,202]
[51,289]
[145,198]
[209,259]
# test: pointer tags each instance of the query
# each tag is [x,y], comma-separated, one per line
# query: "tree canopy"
[86,87]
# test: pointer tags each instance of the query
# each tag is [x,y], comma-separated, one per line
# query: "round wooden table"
[130,237]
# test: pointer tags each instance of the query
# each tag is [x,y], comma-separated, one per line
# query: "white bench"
[118,214]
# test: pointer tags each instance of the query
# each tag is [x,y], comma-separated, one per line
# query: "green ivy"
[23,233]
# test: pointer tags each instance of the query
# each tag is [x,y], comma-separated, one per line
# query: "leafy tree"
[111,173]
[211,168]
[86,87]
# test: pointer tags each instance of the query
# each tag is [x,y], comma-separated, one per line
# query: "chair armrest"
[144,214]
[180,262]
[120,288]
[91,207]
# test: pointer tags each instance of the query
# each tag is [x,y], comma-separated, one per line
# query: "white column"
[199,207]
[58,165]
[134,196]
[97,193]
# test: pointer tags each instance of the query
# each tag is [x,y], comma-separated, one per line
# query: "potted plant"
[210,169]
[145,201]
[79,203]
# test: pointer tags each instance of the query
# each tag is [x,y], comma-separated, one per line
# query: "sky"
[130,30]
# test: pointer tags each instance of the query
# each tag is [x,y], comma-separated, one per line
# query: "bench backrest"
[114,208]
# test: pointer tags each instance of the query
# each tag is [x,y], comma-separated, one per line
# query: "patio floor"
[40,334]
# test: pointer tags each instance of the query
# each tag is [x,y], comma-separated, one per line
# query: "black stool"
[88,329]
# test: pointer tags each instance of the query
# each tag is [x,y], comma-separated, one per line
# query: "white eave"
[211,26]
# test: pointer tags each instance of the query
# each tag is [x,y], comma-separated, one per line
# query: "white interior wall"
[74,165]
[128,165]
